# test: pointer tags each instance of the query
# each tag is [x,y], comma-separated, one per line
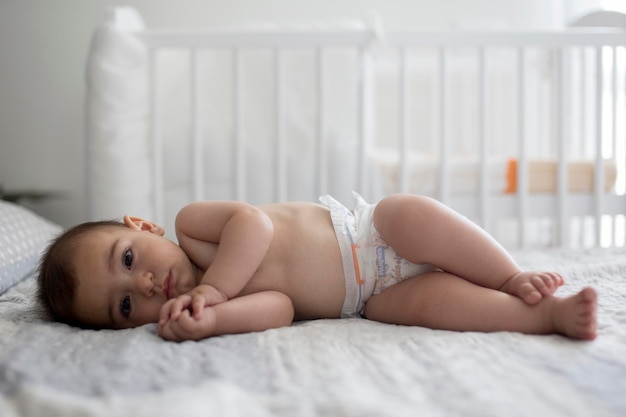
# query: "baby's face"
[124,276]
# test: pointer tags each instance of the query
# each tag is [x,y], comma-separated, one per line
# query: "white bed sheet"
[325,367]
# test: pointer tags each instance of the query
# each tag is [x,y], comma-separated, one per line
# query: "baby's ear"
[137,223]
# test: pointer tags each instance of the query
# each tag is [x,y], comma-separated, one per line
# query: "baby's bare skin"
[254,268]
[575,316]
[532,286]
[303,261]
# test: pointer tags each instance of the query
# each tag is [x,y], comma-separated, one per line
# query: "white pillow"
[23,237]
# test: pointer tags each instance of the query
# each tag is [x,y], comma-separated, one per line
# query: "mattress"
[347,367]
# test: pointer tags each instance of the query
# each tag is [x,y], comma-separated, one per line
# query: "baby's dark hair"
[56,282]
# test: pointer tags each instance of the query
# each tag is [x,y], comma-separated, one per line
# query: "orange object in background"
[543,176]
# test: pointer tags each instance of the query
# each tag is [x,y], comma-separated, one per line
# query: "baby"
[407,260]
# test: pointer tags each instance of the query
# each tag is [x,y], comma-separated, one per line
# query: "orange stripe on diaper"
[357,272]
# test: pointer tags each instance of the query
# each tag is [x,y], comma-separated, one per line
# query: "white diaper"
[370,265]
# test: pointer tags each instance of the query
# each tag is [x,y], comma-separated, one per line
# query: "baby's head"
[111,274]
[57,280]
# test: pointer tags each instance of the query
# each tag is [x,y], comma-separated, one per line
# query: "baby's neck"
[197,273]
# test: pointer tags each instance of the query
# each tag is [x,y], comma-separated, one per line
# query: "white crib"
[523,132]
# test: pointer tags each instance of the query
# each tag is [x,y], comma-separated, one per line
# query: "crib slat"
[614,95]
[443,129]
[403,145]
[321,151]
[364,119]
[599,170]
[583,100]
[560,99]
[522,161]
[198,149]
[156,140]
[582,126]
[239,150]
[281,151]
[482,135]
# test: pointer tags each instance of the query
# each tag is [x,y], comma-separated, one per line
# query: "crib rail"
[199,38]
[605,209]
[238,41]
[510,38]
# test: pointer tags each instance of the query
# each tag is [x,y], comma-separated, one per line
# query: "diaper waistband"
[345,230]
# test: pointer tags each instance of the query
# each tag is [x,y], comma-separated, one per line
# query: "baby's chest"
[201,254]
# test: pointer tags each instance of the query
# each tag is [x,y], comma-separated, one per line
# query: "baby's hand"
[205,295]
[194,302]
[186,327]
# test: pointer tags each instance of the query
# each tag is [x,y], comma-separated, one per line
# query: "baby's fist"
[186,327]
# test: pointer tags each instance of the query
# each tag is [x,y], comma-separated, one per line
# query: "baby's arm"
[237,234]
[250,313]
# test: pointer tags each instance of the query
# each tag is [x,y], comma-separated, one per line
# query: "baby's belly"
[319,293]
[304,262]
[315,284]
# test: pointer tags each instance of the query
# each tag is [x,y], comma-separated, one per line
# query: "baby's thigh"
[412,301]
[407,223]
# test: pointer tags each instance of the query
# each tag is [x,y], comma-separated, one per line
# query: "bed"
[552,194]
[346,367]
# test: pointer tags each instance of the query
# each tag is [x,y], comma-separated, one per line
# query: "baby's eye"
[127,259]
[125,306]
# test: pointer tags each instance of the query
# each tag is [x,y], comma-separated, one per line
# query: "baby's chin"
[189,280]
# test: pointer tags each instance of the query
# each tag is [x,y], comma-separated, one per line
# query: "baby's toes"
[551,281]
[558,279]
[554,278]
[542,283]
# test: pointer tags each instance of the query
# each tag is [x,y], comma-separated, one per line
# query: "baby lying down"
[406,260]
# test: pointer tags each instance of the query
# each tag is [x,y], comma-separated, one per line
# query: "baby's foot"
[576,316]
[532,286]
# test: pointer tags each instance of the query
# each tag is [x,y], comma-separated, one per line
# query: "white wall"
[44,45]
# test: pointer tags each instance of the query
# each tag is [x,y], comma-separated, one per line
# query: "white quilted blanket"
[323,368]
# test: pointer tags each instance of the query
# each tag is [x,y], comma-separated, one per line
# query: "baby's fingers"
[180,303]
[197,306]
[164,315]
[171,331]
[187,323]
[182,329]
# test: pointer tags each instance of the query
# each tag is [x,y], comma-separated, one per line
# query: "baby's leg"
[423,230]
[440,300]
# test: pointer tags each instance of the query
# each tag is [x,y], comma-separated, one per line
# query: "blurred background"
[44,46]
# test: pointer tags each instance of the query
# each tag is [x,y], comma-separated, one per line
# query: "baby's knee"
[403,210]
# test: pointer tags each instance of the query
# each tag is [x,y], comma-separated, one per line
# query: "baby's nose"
[146,283]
